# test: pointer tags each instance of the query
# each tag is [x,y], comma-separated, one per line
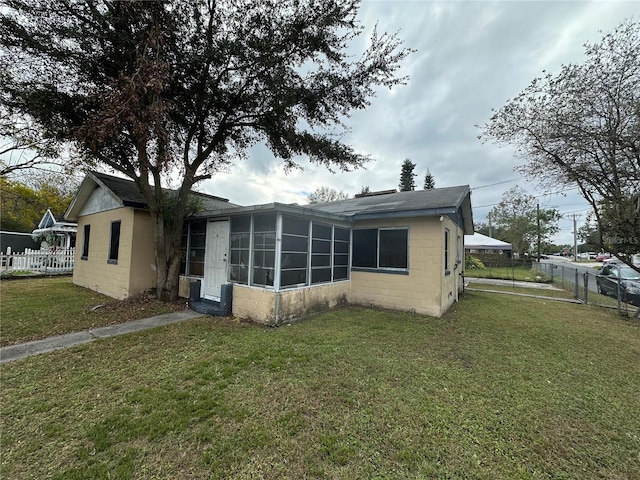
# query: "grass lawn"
[40,307]
[501,387]
[527,291]
[520,273]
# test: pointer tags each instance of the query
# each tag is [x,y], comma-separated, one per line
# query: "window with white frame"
[308,252]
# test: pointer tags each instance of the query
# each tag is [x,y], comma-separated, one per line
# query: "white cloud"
[472,56]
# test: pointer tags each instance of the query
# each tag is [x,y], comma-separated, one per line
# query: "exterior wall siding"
[94,272]
[142,273]
[421,290]
[452,284]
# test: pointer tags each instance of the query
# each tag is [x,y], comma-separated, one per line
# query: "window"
[264,249]
[386,248]
[85,242]
[295,248]
[114,244]
[194,234]
[446,251]
[341,237]
[320,253]
[240,244]
[304,252]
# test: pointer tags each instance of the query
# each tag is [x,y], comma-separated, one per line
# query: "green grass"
[521,273]
[501,387]
[522,290]
[39,307]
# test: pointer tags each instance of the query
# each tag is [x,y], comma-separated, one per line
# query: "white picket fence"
[39,261]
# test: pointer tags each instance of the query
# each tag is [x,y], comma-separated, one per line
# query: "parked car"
[601,257]
[610,274]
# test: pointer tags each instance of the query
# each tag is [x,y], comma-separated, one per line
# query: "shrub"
[471,262]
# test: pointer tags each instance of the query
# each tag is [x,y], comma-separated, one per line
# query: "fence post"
[586,287]
[576,288]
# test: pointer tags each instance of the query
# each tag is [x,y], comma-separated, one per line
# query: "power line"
[497,183]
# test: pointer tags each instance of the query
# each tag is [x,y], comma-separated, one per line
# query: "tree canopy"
[581,128]
[326,194]
[23,206]
[407,176]
[516,219]
[153,89]
[429,181]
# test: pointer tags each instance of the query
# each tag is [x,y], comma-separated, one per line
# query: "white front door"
[215,259]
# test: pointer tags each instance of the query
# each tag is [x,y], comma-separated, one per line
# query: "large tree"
[407,176]
[157,88]
[22,206]
[521,222]
[581,128]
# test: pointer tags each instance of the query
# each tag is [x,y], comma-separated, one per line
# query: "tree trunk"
[167,241]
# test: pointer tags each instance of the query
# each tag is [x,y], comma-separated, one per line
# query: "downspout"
[277,308]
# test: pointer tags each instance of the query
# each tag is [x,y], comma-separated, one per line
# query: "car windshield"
[629,273]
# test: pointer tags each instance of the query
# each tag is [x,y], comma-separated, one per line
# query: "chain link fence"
[587,286]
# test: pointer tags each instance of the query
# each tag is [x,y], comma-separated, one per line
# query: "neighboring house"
[17,242]
[401,251]
[479,243]
[54,233]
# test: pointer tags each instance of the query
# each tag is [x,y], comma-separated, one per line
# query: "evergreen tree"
[429,181]
[407,177]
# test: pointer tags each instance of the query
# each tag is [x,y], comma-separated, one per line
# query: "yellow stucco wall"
[94,272]
[142,276]
[271,308]
[426,288]
[253,303]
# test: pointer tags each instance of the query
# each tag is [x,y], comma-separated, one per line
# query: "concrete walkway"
[36,347]
[511,283]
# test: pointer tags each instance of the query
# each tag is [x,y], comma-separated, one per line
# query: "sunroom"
[282,260]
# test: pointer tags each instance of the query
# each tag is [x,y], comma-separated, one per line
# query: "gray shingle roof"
[435,201]
[130,195]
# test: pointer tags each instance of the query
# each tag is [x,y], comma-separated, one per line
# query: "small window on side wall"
[114,244]
[447,270]
[85,242]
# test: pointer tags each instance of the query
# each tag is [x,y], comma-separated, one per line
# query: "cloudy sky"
[471,57]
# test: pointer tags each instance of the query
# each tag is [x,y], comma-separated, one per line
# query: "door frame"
[207,267]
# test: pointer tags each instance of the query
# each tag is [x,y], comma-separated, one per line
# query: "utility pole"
[538,223]
[575,239]
[489,217]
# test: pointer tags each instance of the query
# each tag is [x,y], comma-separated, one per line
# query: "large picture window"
[381,248]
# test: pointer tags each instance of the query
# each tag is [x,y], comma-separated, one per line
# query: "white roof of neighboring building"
[482,242]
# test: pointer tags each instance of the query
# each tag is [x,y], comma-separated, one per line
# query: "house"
[54,233]
[396,250]
[114,253]
[479,243]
